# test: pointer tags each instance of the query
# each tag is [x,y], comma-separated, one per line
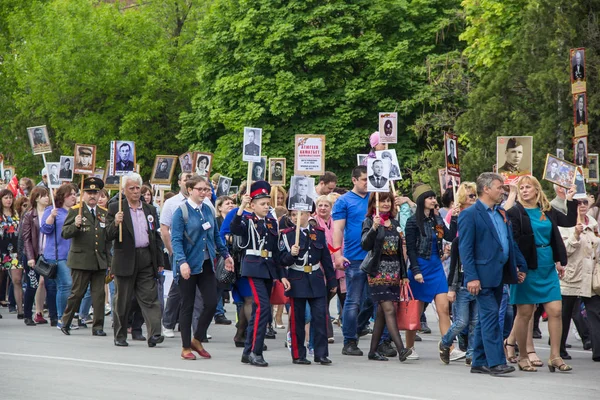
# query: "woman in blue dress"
[535,228]
[425,231]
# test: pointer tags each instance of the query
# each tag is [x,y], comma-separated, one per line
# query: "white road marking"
[220,374]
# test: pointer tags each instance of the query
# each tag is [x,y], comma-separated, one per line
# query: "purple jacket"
[48,230]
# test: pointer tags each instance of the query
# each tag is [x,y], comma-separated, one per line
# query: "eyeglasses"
[582,202]
[202,189]
[472,196]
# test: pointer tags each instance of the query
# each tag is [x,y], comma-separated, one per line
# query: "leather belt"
[260,253]
[306,268]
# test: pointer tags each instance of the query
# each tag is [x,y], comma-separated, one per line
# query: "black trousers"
[592,308]
[206,283]
[570,307]
[81,279]
[261,315]
[318,326]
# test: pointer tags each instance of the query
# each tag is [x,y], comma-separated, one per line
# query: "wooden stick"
[249,178]
[377,203]
[298,227]
[394,193]
[120,207]
[49,188]
[454,189]
[81,195]
[275,187]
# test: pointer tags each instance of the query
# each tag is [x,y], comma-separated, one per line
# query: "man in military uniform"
[260,265]
[514,155]
[309,261]
[124,163]
[251,149]
[88,256]
[84,161]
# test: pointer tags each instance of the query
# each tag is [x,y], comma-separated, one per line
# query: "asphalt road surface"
[41,363]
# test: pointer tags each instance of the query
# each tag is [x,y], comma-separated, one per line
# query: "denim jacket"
[418,246]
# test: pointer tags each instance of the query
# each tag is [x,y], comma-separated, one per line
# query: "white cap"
[44,172]
[580,196]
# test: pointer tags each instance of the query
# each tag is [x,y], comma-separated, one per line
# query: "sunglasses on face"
[582,202]
[472,196]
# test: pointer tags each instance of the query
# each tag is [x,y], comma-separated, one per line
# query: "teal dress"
[541,285]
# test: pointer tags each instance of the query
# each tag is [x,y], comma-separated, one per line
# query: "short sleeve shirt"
[352,208]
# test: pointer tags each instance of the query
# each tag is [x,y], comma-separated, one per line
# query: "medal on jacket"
[151,222]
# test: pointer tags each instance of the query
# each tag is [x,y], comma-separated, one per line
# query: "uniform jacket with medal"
[258,236]
[89,249]
[313,250]
[124,252]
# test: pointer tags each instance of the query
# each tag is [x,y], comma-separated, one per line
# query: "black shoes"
[537,334]
[81,323]
[501,369]
[257,360]
[301,361]
[20,316]
[385,348]
[222,320]
[271,333]
[323,361]
[480,370]
[65,330]
[418,338]
[587,345]
[245,359]
[99,333]
[138,336]
[29,322]
[565,356]
[365,332]
[351,349]
[444,353]
[425,328]
[404,353]
[377,357]
[53,321]
[154,340]
[239,344]
[121,343]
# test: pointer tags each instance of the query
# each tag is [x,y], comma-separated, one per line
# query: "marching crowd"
[490,257]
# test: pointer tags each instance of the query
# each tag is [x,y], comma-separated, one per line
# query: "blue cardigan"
[183,250]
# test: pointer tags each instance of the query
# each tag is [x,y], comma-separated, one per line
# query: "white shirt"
[166,214]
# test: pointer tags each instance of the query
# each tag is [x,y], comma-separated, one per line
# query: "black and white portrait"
[203,163]
[277,171]
[85,159]
[185,161]
[451,157]
[360,159]
[252,144]
[9,172]
[578,64]
[233,190]
[66,168]
[388,131]
[390,155]
[223,186]
[593,167]
[259,170]
[560,153]
[124,156]
[53,177]
[580,146]
[302,193]
[580,109]
[164,167]
[378,175]
[98,173]
[39,140]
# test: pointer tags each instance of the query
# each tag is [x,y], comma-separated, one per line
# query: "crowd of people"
[489,257]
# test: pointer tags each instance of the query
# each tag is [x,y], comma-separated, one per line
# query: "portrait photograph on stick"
[185,162]
[378,175]
[390,155]
[578,76]
[560,153]
[39,140]
[111,182]
[592,175]
[66,168]
[580,149]
[259,170]
[451,151]
[8,173]
[233,190]
[85,159]
[122,157]
[252,144]
[53,177]
[302,193]
[163,170]
[224,186]
[388,129]
[360,159]
[559,172]
[514,156]
[99,173]
[203,163]
[580,114]
[580,183]
[445,180]
[277,171]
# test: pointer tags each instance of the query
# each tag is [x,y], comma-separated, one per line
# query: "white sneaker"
[414,355]
[456,355]
[170,333]
[208,336]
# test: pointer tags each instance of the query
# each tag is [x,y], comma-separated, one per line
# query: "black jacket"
[372,241]
[420,246]
[523,233]
[455,274]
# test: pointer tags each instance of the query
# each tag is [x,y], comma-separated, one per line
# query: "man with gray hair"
[490,257]
[137,260]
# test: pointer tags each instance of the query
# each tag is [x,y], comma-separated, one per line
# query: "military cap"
[92,184]
[260,190]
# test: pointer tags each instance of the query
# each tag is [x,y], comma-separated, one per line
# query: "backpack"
[184,212]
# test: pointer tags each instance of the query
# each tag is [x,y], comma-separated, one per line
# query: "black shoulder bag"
[43,267]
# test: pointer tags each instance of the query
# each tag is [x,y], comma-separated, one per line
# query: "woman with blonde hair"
[535,229]
[466,195]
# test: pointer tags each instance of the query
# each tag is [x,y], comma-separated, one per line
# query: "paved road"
[41,359]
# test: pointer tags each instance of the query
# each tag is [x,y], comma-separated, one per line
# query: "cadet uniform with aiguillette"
[307,273]
[88,256]
[260,265]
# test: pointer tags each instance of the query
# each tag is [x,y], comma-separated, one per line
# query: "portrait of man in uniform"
[39,140]
[277,171]
[390,155]
[302,193]
[513,155]
[258,170]
[8,173]
[252,144]
[578,67]
[125,156]
[185,160]
[66,169]
[581,151]
[85,159]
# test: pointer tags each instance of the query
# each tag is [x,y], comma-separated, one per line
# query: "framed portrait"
[277,171]
[580,150]
[203,163]
[163,170]
[378,175]
[99,173]
[451,152]
[233,191]
[39,140]
[592,173]
[309,155]
[111,182]
[360,159]
[580,182]
[390,155]
[302,193]
[445,180]
[560,153]
[85,159]
[7,173]
[223,186]
[580,114]
[259,169]
[66,168]
[252,144]
[559,172]
[578,75]
[53,177]
[388,128]
[122,157]
[514,156]
[186,162]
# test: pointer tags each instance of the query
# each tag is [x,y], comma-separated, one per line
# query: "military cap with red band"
[260,190]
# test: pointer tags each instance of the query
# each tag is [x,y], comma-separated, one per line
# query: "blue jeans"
[220,308]
[464,314]
[506,313]
[63,285]
[487,337]
[86,304]
[355,294]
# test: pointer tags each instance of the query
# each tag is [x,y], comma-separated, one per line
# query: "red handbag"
[408,313]
[278,294]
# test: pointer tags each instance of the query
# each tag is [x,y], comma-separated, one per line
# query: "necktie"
[93,214]
[377,181]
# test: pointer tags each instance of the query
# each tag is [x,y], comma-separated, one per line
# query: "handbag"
[278,294]
[223,276]
[408,313]
[43,267]
[596,279]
